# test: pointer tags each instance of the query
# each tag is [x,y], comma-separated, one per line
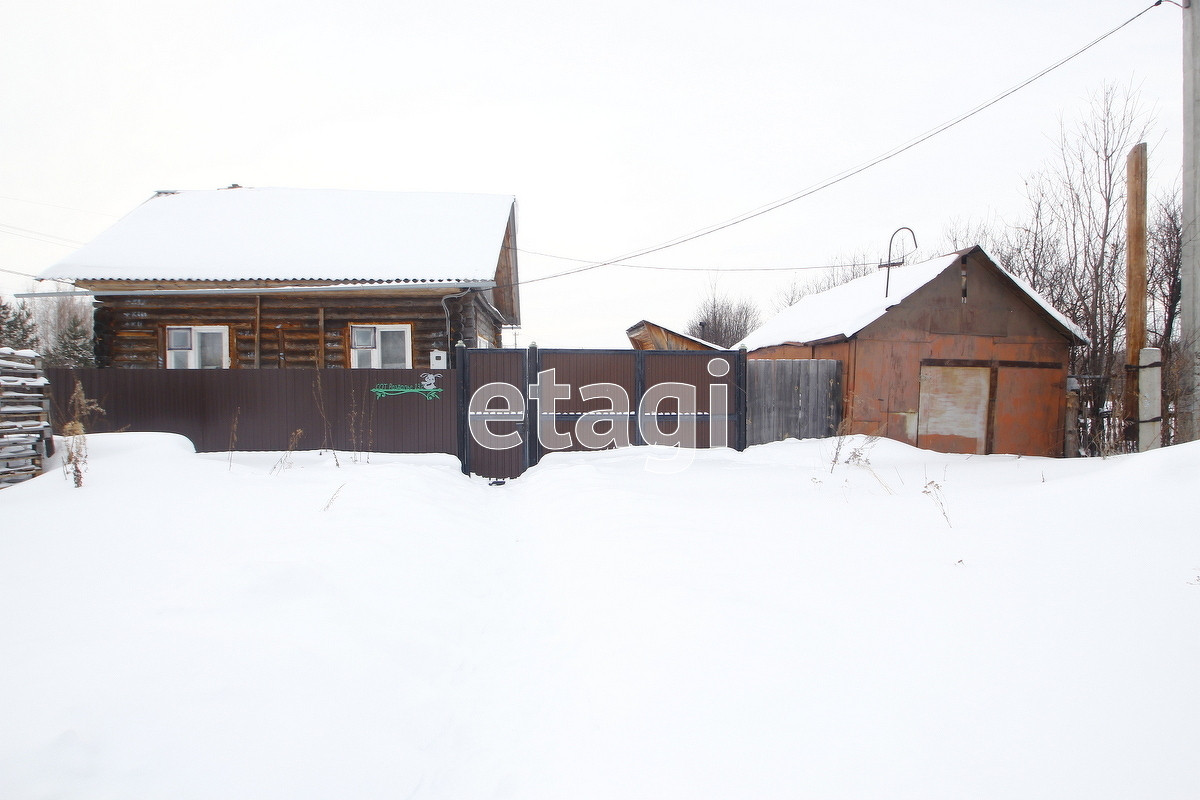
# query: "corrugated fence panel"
[495,366]
[793,398]
[579,368]
[405,411]
[696,368]
[261,409]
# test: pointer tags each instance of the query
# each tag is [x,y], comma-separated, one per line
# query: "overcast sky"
[617,126]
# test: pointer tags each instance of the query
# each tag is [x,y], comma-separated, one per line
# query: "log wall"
[286,331]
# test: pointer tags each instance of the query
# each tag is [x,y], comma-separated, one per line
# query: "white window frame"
[375,349]
[193,351]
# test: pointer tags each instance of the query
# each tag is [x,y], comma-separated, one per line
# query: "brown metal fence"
[413,411]
[380,410]
[633,371]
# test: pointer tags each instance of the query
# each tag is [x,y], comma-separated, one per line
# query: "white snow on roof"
[847,309]
[289,234]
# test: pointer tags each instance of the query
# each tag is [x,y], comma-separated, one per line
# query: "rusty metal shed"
[955,354]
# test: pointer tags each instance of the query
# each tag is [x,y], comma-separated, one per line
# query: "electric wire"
[55,205]
[848,173]
[38,236]
[702,269]
[22,274]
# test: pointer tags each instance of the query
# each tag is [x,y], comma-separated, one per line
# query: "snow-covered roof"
[299,234]
[845,310]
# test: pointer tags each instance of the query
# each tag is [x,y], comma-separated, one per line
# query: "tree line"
[58,328]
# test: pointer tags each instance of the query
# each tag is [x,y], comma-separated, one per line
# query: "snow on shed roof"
[297,234]
[847,309]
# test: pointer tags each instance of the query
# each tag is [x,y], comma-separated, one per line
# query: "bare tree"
[823,280]
[1164,287]
[1070,245]
[722,319]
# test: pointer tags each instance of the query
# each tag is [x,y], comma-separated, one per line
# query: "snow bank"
[822,619]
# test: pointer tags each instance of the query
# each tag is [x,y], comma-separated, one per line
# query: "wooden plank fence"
[796,398]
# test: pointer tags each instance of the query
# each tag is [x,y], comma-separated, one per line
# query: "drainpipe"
[446,309]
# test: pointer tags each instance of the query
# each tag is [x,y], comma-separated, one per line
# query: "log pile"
[25,434]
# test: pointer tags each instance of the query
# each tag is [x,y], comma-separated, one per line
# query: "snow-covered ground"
[766,624]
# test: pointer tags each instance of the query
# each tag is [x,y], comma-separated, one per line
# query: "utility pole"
[1135,282]
[1189,412]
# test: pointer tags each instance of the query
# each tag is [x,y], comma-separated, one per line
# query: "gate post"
[461,364]
[740,384]
[532,451]
[639,389]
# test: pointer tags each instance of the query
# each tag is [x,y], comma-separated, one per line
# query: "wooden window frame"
[193,350]
[377,328]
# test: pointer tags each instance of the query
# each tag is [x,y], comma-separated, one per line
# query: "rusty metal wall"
[261,409]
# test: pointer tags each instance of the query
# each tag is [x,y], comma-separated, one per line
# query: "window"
[381,346]
[198,347]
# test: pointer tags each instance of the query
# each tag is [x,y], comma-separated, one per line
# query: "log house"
[286,278]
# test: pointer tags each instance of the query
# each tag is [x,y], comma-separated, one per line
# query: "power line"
[14,272]
[55,205]
[38,236]
[851,172]
[701,269]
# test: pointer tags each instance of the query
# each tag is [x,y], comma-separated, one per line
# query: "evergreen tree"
[72,346]
[17,328]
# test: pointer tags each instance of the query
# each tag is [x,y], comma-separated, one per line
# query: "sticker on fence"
[427,388]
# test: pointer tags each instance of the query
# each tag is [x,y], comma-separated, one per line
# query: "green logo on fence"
[427,388]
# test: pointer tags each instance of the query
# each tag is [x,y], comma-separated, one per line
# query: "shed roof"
[646,335]
[844,310]
[299,234]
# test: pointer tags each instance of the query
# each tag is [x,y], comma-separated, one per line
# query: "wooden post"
[257,331]
[1135,282]
[321,337]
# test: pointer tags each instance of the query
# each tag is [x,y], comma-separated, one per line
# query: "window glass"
[362,337]
[210,345]
[362,358]
[393,349]
[197,347]
[179,338]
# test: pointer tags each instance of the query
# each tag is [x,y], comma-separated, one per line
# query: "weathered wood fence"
[796,398]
